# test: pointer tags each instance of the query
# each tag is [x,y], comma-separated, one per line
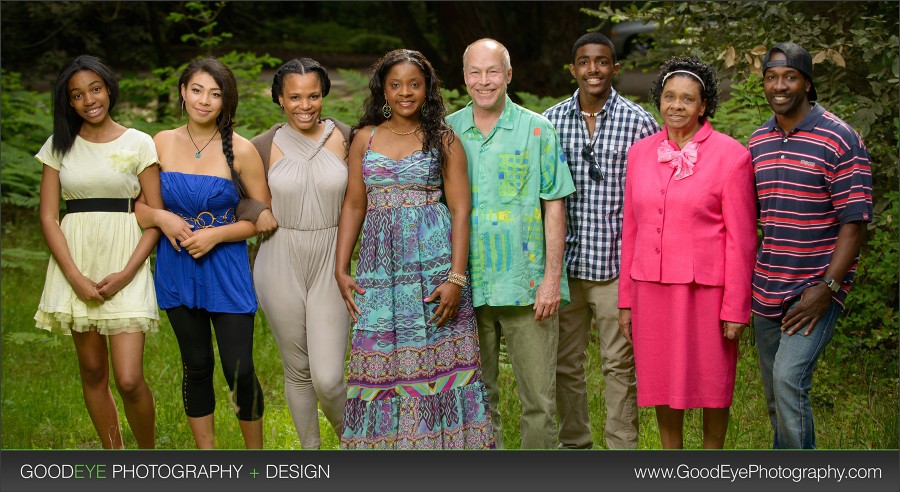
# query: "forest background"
[857,69]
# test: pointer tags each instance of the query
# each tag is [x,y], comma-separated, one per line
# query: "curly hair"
[299,66]
[433,111]
[709,90]
[66,121]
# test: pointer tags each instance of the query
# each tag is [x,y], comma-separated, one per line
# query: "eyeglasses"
[594,170]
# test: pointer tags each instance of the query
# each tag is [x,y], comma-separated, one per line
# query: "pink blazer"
[699,229]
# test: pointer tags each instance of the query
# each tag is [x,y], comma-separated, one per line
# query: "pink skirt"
[681,357]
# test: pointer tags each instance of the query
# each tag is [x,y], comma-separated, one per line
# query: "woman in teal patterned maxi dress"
[414,378]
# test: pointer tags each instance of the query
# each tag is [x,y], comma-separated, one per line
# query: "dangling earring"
[282,108]
[182,108]
[386,111]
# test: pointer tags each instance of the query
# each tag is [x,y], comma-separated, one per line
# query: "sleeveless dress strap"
[369,147]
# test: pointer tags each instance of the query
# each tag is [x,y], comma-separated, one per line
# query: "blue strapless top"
[219,281]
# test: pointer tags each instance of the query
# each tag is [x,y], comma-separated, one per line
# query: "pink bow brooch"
[682,161]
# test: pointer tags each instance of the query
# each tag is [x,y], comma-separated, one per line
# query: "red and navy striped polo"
[809,182]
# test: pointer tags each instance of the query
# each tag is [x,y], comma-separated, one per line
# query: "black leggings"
[234,336]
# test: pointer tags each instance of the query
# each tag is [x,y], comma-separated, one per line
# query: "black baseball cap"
[797,58]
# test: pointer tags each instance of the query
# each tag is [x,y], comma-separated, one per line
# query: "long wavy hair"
[226,81]
[66,121]
[432,118]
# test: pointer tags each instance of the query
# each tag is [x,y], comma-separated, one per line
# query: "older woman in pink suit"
[688,245]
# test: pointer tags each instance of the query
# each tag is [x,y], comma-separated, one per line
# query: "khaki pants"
[532,352]
[595,301]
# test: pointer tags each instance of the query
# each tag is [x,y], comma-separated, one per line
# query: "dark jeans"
[787,364]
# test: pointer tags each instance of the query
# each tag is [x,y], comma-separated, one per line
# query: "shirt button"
[658,230]
[784,140]
[659,210]
[662,192]
[482,176]
[782,156]
[657,250]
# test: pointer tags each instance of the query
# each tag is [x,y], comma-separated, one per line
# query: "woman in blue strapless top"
[202,265]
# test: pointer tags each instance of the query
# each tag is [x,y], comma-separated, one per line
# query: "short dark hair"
[300,66]
[66,121]
[594,38]
[709,90]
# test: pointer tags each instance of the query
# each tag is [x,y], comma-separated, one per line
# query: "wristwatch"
[831,283]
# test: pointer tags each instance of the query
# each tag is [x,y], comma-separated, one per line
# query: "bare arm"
[815,300]
[85,288]
[353,212]
[548,296]
[172,226]
[459,201]
[149,179]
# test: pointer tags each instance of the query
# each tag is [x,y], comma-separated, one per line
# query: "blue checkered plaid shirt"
[594,211]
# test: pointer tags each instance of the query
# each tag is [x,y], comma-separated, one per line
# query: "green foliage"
[254,113]
[455,99]
[749,94]
[205,15]
[27,122]
[870,316]
[538,104]
[22,259]
[856,62]
[373,44]
[348,107]
[32,338]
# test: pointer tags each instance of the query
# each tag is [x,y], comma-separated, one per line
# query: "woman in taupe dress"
[294,269]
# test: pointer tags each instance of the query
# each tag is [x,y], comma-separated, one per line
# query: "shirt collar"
[808,123]
[505,121]
[608,107]
[702,134]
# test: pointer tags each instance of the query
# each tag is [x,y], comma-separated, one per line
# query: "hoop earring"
[386,111]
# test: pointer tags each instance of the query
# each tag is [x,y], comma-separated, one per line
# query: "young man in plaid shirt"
[596,126]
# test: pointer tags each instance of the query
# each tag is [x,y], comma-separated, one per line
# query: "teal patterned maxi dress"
[410,384]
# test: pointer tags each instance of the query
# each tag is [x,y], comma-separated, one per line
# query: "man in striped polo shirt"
[814,187]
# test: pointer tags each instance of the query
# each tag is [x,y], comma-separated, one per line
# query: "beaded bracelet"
[456,278]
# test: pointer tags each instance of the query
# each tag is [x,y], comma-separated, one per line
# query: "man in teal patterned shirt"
[519,178]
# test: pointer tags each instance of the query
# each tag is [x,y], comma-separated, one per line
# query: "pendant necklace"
[395,132]
[199,150]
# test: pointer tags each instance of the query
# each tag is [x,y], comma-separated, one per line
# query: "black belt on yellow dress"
[100,205]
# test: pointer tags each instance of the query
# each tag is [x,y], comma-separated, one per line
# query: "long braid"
[228,149]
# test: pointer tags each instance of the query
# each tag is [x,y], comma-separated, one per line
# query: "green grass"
[855,397]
